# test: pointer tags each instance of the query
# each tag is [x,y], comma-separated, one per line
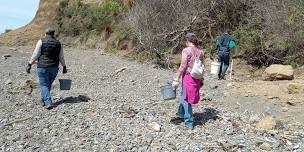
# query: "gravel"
[115,105]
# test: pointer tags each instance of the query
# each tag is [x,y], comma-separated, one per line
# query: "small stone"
[273,132]
[266,146]
[295,146]
[214,87]
[273,97]
[279,125]
[13,49]
[292,103]
[295,88]
[155,126]
[154,66]
[46,130]
[120,70]
[7,55]
[229,85]
[285,109]
[8,82]
[31,105]
[266,123]
[29,84]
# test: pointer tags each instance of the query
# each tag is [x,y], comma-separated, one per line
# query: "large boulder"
[278,72]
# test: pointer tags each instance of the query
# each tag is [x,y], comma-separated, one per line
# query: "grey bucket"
[167,91]
[65,84]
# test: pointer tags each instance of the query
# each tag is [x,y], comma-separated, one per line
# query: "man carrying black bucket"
[47,54]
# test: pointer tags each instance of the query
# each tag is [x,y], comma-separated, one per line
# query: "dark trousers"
[224,58]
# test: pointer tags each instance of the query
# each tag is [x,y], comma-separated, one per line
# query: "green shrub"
[7,30]
[76,18]
[63,4]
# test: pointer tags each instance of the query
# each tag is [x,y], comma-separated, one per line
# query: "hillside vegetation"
[266,31]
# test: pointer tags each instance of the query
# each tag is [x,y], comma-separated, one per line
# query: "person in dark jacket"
[47,54]
[224,44]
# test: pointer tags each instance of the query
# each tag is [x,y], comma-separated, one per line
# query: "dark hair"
[194,40]
[52,33]
[228,30]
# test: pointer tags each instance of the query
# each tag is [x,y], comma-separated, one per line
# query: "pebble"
[285,109]
[13,49]
[6,56]
[155,126]
[229,85]
[9,81]
[154,66]
[266,146]
[126,117]
[214,87]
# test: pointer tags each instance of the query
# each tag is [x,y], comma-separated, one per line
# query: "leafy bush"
[7,30]
[159,25]
[76,18]
[277,34]
[267,31]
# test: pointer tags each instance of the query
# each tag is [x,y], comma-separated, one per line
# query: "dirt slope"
[30,33]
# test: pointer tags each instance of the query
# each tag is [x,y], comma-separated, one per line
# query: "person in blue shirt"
[224,44]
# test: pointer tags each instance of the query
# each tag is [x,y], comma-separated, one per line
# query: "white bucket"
[215,68]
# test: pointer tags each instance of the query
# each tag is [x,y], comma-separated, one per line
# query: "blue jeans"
[185,109]
[224,61]
[46,78]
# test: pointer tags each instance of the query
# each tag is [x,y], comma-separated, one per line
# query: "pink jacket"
[188,57]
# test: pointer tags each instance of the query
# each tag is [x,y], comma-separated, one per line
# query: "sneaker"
[48,107]
[41,103]
[188,127]
[179,116]
[222,78]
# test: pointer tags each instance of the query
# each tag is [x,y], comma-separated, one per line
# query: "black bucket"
[65,84]
[168,92]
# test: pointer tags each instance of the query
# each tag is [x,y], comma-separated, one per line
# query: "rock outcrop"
[278,72]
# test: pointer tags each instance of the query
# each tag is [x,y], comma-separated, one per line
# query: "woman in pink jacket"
[190,86]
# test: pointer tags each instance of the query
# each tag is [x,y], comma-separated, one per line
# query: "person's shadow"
[78,99]
[208,114]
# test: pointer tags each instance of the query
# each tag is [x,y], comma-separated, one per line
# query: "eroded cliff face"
[32,32]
